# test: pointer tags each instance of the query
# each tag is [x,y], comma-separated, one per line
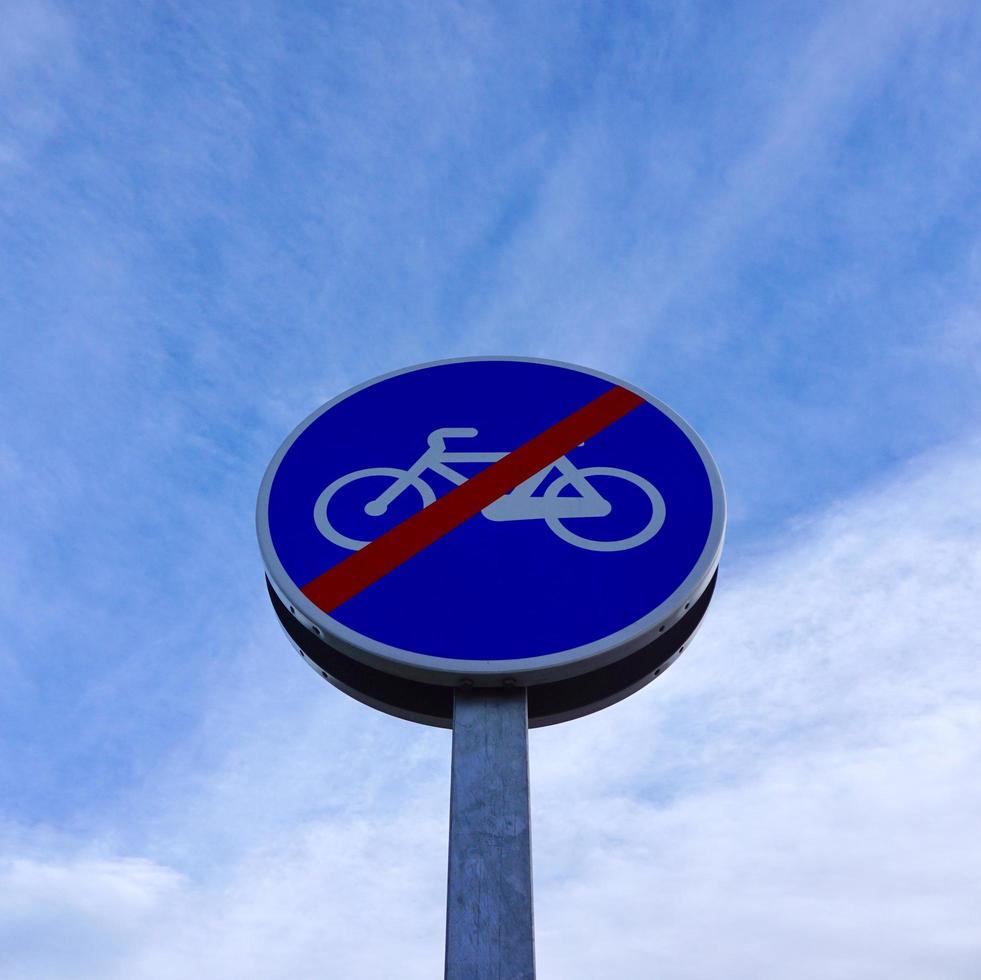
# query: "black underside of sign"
[548,703]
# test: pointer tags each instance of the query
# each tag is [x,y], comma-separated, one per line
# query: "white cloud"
[614,300]
[37,55]
[857,862]
[85,912]
[797,796]
[804,788]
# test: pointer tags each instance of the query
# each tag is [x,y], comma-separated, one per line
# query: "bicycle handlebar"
[437,438]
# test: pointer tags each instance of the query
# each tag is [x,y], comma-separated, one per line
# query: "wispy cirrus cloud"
[212,221]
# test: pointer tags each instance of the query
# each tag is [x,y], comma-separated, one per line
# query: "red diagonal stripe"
[397,545]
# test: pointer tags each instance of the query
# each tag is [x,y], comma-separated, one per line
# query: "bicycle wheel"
[320,508]
[622,544]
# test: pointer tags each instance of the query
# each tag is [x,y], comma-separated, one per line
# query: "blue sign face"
[491,514]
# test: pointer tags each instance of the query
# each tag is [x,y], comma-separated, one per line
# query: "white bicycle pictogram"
[518,505]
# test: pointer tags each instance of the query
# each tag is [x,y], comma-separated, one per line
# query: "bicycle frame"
[518,505]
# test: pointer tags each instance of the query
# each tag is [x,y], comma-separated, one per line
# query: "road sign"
[489,521]
[487,544]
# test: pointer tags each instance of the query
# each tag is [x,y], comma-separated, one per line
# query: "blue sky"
[215,217]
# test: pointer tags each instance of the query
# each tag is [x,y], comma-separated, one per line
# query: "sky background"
[215,217]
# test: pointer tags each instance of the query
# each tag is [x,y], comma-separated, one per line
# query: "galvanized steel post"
[489,919]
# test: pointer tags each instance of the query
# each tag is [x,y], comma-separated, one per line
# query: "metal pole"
[490,931]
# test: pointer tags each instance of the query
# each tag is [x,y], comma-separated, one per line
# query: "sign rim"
[528,670]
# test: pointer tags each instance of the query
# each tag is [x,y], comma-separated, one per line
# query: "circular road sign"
[490,521]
